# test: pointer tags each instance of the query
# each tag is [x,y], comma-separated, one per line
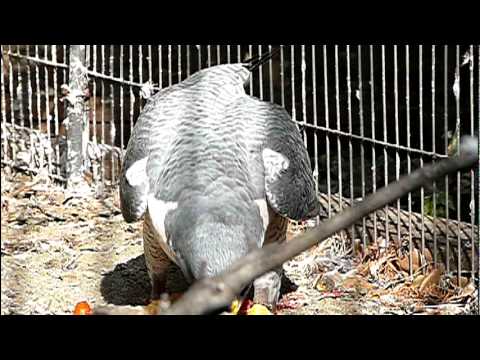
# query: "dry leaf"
[417,282]
[357,283]
[417,260]
[464,281]
[328,281]
[468,291]
[432,279]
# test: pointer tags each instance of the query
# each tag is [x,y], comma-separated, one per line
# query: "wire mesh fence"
[368,114]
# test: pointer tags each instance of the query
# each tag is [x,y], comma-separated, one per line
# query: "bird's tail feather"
[257,61]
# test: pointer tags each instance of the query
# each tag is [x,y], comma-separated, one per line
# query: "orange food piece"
[82,308]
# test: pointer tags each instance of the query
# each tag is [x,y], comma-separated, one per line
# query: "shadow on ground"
[128,283]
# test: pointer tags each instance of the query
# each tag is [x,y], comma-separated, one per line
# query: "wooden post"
[77,118]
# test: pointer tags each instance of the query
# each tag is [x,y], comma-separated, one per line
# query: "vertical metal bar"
[219,60]
[420,107]
[188,60]
[78,83]
[374,156]
[239,53]
[55,106]
[229,59]
[47,110]
[89,125]
[457,132]
[93,121]
[397,138]
[209,56]
[38,90]
[160,67]
[409,163]
[362,134]
[473,208]
[199,57]
[122,129]
[10,90]
[112,108]
[478,181]
[11,93]
[445,107]
[434,150]
[30,91]
[130,77]
[4,103]
[292,72]
[339,143]
[102,114]
[150,62]
[385,139]
[350,131]
[260,73]
[19,90]
[250,50]
[327,125]
[169,65]
[179,60]
[140,74]
[315,118]
[270,68]
[282,75]
[304,97]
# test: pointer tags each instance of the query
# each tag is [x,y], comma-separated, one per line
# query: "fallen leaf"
[466,292]
[328,281]
[358,284]
[417,260]
[464,281]
[432,279]
[417,282]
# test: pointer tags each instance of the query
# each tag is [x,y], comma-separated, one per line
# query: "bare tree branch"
[213,294]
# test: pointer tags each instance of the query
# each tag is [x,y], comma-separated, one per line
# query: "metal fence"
[368,114]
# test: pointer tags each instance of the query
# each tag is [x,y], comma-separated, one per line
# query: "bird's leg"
[156,260]
[266,288]
[158,282]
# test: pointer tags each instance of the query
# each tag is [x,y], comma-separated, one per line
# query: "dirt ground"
[58,250]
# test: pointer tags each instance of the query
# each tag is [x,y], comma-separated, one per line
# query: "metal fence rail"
[368,114]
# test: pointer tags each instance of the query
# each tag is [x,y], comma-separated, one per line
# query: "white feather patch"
[274,163]
[158,210]
[263,207]
[137,173]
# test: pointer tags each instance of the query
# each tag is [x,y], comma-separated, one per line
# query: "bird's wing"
[279,160]
[151,136]
[289,182]
[279,165]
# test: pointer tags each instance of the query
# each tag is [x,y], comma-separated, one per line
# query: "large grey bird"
[215,173]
